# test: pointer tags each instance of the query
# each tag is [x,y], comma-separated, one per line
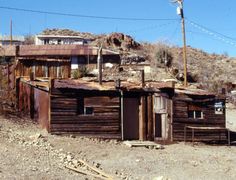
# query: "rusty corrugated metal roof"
[90,85]
[53,50]
[85,84]
[197,92]
[125,85]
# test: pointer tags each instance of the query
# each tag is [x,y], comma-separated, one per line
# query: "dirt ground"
[231,117]
[28,152]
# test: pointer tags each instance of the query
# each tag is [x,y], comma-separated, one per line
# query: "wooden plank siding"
[43,68]
[66,116]
[210,119]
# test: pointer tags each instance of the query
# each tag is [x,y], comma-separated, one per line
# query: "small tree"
[164,57]
[82,71]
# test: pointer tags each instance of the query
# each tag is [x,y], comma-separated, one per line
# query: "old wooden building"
[198,111]
[155,112]
[124,110]
[55,61]
[87,108]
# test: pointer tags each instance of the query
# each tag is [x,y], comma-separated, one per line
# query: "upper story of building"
[60,39]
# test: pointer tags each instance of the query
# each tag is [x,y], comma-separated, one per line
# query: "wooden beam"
[96,170]
[150,118]
[84,172]
[142,119]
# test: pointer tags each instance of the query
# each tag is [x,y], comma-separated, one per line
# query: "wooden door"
[131,119]
[158,126]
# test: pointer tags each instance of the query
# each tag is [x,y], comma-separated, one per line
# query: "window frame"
[195,110]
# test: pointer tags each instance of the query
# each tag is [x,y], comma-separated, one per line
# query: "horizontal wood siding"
[104,122]
[181,119]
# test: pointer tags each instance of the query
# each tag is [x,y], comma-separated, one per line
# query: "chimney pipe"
[99,64]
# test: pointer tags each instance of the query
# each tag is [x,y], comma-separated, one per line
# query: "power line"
[86,16]
[217,35]
[149,27]
[204,28]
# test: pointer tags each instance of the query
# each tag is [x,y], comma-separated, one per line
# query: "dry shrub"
[82,71]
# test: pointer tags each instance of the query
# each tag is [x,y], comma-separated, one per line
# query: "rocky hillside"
[208,71]
[68,32]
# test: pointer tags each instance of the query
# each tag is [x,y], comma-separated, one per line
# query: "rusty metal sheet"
[60,50]
[125,85]
[24,98]
[53,50]
[41,107]
[199,92]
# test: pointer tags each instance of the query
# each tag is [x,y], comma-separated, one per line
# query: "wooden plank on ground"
[96,169]
[85,172]
[141,144]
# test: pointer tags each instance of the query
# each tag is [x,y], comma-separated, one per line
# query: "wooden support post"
[142,119]
[99,64]
[228,137]
[185,129]
[142,78]
[193,136]
[150,118]
[8,80]
[122,114]
[17,86]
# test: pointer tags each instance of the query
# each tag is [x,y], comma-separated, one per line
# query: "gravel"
[28,152]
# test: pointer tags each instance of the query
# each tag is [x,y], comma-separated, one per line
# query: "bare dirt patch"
[28,152]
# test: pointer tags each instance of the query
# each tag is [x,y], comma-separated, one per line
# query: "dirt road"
[30,153]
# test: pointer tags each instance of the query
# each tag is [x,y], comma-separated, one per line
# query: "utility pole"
[11,32]
[180,12]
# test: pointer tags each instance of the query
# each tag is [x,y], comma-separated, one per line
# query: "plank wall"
[210,119]
[104,122]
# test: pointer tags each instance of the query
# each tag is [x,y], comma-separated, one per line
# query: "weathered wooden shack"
[87,108]
[128,112]
[198,111]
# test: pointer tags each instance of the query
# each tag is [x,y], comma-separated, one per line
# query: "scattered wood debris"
[90,170]
[148,144]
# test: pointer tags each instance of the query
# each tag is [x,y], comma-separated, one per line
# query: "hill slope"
[209,71]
